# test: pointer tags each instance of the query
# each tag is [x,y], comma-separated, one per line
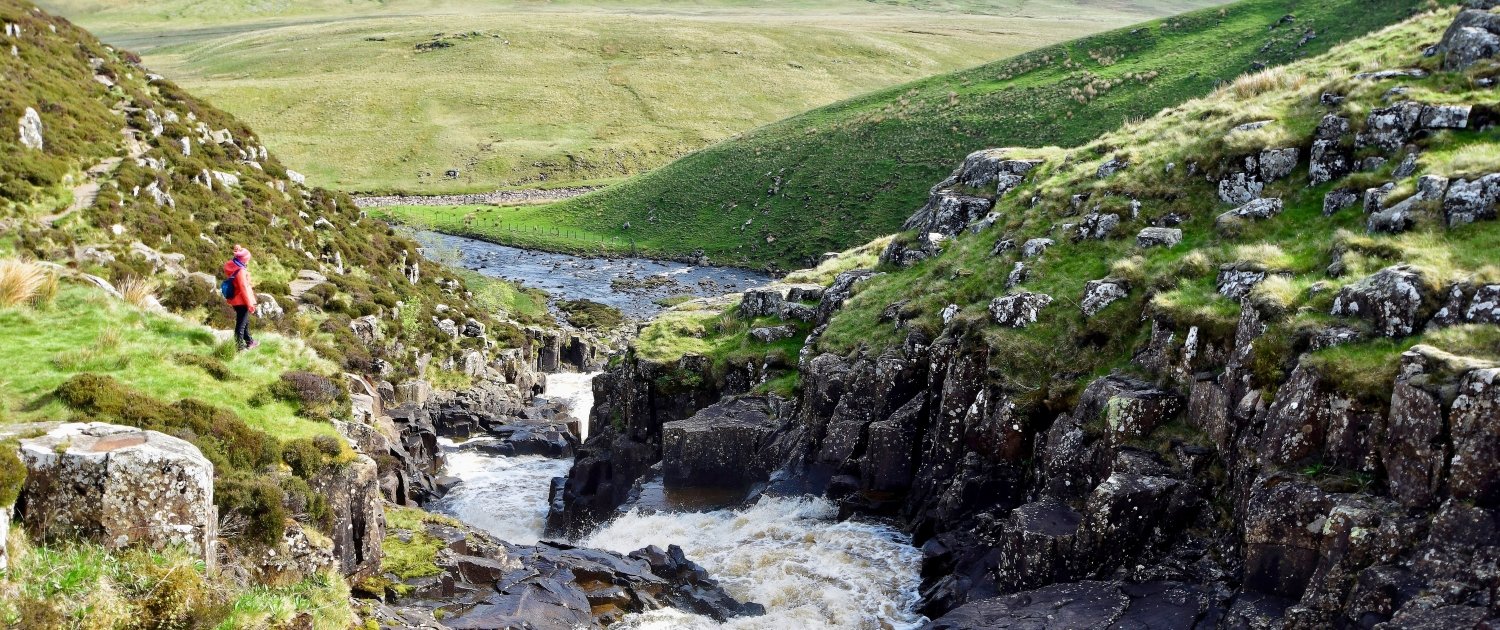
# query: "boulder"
[1278,163]
[948,213]
[366,329]
[1096,226]
[266,307]
[1329,159]
[31,130]
[1240,188]
[772,333]
[762,302]
[1403,216]
[1473,35]
[1469,201]
[990,168]
[1098,294]
[1017,276]
[414,392]
[1018,309]
[718,446]
[1338,199]
[1256,210]
[1396,300]
[1035,247]
[1110,167]
[118,486]
[1158,237]
[1388,128]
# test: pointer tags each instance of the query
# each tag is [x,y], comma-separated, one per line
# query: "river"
[633,285]
[791,554]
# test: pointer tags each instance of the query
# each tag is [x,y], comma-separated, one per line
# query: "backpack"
[227,287]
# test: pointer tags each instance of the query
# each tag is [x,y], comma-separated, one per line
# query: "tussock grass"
[1271,79]
[25,282]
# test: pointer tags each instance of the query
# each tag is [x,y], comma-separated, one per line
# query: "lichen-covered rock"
[990,167]
[1403,216]
[1311,419]
[762,302]
[1257,210]
[1158,237]
[1240,188]
[1098,294]
[1236,281]
[840,290]
[1096,226]
[300,554]
[366,329]
[1469,201]
[1283,530]
[1474,35]
[772,333]
[1339,199]
[1474,469]
[1110,167]
[1388,128]
[1018,309]
[948,213]
[1035,247]
[1396,300]
[352,491]
[1329,159]
[118,486]
[1278,163]
[1017,275]
[719,446]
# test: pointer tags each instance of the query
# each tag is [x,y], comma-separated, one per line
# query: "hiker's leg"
[241,326]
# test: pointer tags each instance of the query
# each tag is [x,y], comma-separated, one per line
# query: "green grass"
[84,585]
[1177,284]
[86,331]
[533,94]
[855,170]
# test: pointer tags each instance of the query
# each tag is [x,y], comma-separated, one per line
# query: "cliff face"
[1276,407]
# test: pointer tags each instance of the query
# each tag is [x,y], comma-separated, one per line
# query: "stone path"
[498,197]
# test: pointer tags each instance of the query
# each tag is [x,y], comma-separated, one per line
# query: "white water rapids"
[791,555]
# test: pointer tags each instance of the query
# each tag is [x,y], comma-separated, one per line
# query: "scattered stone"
[1017,275]
[366,329]
[1258,209]
[1338,199]
[1158,237]
[772,333]
[1096,226]
[949,312]
[1035,247]
[1382,75]
[1251,126]
[1110,167]
[31,130]
[1278,163]
[1235,281]
[1098,294]
[1018,309]
[1402,216]
[1469,201]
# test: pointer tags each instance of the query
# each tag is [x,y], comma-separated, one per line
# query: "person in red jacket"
[242,297]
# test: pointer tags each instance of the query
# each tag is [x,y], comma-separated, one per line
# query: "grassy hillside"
[392,96]
[844,174]
[1309,254]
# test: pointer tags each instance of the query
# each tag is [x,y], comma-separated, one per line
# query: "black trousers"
[242,326]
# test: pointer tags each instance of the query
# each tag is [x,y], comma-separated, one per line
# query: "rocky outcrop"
[1018,309]
[30,133]
[355,505]
[1473,36]
[1158,237]
[488,583]
[1396,301]
[118,486]
[969,193]
[719,446]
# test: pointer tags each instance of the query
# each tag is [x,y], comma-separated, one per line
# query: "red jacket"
[243,294]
